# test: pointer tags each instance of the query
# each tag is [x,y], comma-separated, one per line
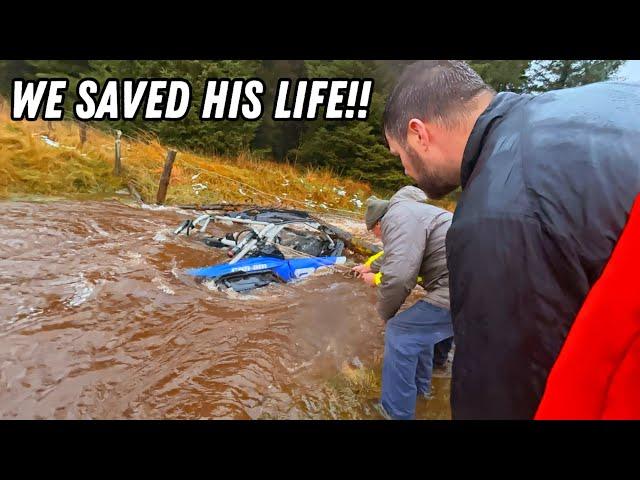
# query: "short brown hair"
[438,90]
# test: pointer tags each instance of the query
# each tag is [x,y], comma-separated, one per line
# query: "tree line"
[353,149]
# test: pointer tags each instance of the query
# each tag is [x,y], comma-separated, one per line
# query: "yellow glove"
[378,276]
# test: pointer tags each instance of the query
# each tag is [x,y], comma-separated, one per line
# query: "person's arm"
[371,265]
[377,261]
[515,289]
[404,241]
[372,279]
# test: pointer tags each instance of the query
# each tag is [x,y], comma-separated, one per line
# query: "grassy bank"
[47,158]
[37,158]
[353,390]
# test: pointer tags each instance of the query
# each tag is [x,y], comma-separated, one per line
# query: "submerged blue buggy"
[258,252]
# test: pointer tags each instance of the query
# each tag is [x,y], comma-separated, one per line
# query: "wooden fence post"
[166,176]
[117,168]
[83,134]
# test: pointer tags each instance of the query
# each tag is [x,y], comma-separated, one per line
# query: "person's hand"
[361,269]
[369,278]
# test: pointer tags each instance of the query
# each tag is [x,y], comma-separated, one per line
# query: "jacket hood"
[408,193]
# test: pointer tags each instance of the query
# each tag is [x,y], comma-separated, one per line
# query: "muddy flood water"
[99,321]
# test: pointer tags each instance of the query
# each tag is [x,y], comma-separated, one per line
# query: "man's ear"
[418,135]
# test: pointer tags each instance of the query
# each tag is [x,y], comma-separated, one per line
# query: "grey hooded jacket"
[413,234]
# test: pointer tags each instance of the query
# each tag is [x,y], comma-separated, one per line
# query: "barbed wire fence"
[84,128]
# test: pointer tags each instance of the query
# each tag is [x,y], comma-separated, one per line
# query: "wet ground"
[98,320]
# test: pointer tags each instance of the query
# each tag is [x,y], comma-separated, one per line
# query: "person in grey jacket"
[413,233]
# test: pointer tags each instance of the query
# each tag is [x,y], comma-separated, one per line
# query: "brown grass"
[30,166]
[446,203]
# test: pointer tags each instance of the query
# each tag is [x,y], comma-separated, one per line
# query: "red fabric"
[597,373]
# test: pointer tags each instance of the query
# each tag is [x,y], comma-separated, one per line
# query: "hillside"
[47,159]
[40,158]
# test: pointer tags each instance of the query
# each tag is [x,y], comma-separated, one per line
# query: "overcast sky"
[630,71]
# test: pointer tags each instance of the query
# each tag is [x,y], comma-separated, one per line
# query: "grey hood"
[409,193]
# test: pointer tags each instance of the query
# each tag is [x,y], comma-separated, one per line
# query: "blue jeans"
[410,337]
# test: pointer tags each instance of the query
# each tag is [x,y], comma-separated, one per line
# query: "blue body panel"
[287,270]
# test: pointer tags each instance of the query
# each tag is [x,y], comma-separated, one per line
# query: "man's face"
[427,168]
[377,231]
